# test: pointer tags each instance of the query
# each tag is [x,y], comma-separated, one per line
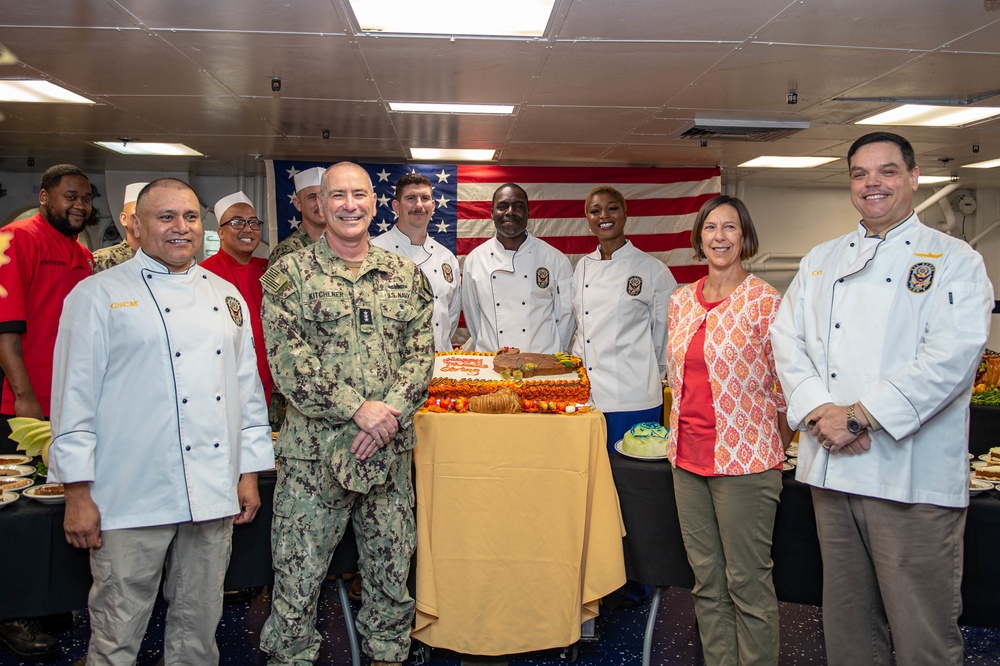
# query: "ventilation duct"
[706,129]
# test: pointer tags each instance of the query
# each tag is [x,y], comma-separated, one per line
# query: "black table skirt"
[654,551]
[984,429]
[45,575]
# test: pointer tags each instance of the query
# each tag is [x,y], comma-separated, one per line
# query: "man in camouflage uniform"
[306,201]
[347,328]
[107,257]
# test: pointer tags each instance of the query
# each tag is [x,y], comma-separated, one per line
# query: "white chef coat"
[621,327]
[863,321]
[518,298]
[440,267]
[156,396]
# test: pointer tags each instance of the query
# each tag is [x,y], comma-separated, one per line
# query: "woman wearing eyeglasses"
[727,438]
[239,236]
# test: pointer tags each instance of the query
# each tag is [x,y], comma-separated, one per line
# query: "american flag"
[662,205]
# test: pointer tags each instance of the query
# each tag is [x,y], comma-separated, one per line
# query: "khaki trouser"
[127,571]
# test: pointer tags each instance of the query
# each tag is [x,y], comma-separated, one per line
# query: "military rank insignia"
[634,285]
[921,277]
[449,275]
[542,278]
[235,310]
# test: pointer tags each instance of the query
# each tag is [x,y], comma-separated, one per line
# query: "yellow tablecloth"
[519,533]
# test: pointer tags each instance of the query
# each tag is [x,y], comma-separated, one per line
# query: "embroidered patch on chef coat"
[235,310]
[446,271]
[542,278]
[634,285]
[921,277]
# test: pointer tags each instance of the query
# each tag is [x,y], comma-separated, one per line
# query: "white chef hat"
[309,178]
[132,192]
[231,200]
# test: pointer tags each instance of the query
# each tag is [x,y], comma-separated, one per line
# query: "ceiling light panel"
[419,107]
[452,154]
[148,148]
[989,164]
[925,115]
[514,18]
[37,91]
[775,162]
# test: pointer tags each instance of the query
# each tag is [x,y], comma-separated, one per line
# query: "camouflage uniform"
[296,240]
[335,340]
[107,257]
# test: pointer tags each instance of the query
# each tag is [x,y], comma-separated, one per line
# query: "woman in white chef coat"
[727,438]
[620,300]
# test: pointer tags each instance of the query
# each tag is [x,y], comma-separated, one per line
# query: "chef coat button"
[494,277]
[501,332]
[149,276]
[852,244]
[218,398]
[888,279]
[216,308]
[204,277]
[590,369]
[523,303]
[588,342]
[187,448]
[525,277]
[177,353]
[184,401]
[166,309]
[216,445]
[907,242]
[586,312]
[218,352]
[586,286]
[840,280]
[836,325]
[498,305]
[436,324]
[524,329]
[833,375]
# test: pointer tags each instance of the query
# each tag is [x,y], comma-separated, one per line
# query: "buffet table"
[519,533]
[654,551]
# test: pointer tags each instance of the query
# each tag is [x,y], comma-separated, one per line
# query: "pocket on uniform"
[965,301]
[327,309]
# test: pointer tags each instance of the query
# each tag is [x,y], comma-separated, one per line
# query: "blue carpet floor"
[620,635]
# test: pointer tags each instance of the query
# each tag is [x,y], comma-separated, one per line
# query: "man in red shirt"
[46,262]
[239,235]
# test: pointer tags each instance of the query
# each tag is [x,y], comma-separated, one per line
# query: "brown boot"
[355,593]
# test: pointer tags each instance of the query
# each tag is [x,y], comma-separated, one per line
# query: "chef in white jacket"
[620,300]
[414,207]
[159,427]
[517,290]
[876,344]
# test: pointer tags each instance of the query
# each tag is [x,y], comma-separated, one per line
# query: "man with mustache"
[46,262]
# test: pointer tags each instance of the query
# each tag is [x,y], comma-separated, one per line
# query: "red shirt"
[44,267]
[246,279]
[696,432]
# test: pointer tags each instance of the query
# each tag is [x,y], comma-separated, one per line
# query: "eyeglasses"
[238,223]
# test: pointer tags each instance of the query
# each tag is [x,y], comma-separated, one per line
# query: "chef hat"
[309,178]
[231,200]
[132,192]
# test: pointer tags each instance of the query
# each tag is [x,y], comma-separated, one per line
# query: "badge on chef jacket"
[921,277]
[542,278]
[235,310]
[634,286]
[449,275]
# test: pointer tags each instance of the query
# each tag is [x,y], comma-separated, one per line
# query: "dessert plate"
[619,449]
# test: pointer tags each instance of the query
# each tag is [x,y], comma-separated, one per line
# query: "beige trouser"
[127,571]
[888,564]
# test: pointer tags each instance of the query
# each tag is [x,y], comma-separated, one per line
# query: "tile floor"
[620,638]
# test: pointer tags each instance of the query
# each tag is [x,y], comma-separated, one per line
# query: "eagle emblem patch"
[235,310]
[542,278]
[921,277]
[448,274]
[634,286]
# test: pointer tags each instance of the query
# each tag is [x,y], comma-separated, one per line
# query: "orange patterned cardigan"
[745,391]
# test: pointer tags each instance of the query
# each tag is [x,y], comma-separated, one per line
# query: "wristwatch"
[853,424]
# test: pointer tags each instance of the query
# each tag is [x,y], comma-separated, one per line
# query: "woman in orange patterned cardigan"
[727,437]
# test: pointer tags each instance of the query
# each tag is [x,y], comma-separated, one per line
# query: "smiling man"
[414,207]
[348,335]
[153,489]
[239,235]
[517,290]
[46,262]
[876,343]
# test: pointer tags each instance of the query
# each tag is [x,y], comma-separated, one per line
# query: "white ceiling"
[611,83]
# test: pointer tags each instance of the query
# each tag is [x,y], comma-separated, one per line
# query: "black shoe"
[25,639]
[238,596]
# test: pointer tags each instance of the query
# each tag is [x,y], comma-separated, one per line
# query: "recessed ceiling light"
[934,180]
[453,154]
[418,107]
[926,115]
[989,164]
[33,90]
[516,18]
[774,162]
[147,148]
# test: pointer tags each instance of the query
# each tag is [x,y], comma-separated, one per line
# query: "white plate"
[8,498]
[976,464]
[984,456]
[22,479]
[787,466]
[972,457]
[14,459]
[619,449]
[18,471]
[977,486]
[46,499]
